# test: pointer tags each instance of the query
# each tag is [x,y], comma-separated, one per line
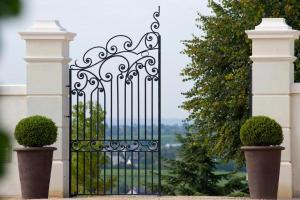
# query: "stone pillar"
[47,57]
[272,77]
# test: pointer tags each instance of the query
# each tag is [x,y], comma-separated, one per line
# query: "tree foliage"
[4,147]
[218,102]
[194,172]
[9,8]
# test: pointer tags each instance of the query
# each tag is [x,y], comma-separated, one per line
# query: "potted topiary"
[261,137]
[35,160]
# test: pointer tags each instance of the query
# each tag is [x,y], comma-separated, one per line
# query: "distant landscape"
[170,128]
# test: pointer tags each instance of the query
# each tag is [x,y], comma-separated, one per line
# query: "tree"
[218,102]
[4,147]
[192,173]
[8,8]
[88,165]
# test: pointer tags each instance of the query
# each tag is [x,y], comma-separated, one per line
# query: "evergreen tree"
[193,172]
[218,102]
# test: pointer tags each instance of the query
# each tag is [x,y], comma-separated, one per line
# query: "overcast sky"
[95,21]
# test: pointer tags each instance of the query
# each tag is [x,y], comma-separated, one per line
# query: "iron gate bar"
[91,147]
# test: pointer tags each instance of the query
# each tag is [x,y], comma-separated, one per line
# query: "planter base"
[35,165]
[263,167]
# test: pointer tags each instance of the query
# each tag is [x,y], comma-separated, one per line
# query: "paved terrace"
[145,198]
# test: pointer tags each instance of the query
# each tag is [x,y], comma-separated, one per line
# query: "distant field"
[135,179]
[139,180]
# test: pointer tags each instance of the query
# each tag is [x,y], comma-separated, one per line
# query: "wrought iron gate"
[115,119]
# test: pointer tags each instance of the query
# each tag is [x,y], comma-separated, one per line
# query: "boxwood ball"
[36,131]
[261,131]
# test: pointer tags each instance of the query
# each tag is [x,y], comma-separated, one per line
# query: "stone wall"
[12,109]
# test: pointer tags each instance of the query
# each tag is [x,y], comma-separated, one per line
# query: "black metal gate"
[115,117]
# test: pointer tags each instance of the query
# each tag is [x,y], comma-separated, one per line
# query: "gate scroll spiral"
[115,117]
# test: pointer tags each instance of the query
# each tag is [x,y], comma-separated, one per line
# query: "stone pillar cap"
[273,24]
[273,28]
[47,29]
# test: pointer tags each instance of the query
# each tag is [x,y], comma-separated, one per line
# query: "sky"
[95,21]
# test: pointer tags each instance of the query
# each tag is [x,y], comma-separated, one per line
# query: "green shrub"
[261,131]
[36,131]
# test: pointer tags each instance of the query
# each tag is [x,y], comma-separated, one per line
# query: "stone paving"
[144,198]
[147,198]
[139,198]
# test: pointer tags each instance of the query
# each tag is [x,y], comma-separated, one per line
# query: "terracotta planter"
[263,167]
[35,165]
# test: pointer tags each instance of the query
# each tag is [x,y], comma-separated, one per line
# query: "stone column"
[47,57]
[272,76]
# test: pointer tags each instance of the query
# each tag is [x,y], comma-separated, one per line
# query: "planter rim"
[35,149]
[265,148]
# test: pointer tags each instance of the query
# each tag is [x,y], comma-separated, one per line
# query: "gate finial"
[155,25]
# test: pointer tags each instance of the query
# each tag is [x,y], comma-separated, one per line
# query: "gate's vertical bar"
[98,166]
[131,129]
[118,132]
[91,172]
[84,137]
[111,132]
[104,186]
[111,172]
[104,139]
[125,132]
[77,127]
[145,172]
[97,153]
[70,132]
[125,170]
[145,161]
[91,139]
[84,172]
[138,104]
[152,108]
[159,113]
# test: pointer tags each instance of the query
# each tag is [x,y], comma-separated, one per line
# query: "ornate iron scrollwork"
[119,79]
[115,145]
[118,47]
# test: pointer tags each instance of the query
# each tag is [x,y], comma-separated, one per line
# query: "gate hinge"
[68,86]
[67,116]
